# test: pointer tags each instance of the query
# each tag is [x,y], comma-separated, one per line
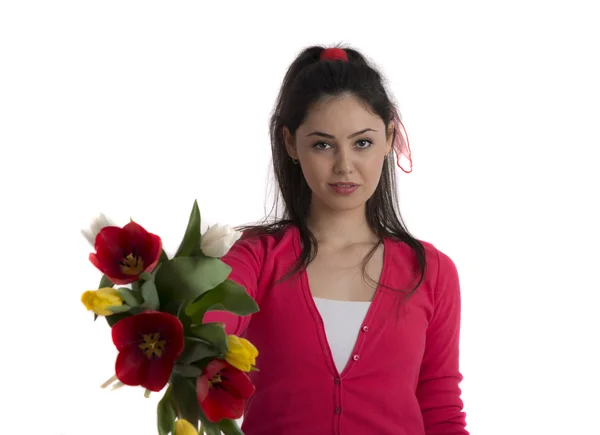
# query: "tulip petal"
[153,252]
[130,366]
[130,330]
[112,243]
[108,240]
[133,235]
[184,427]
[221,404]
[252,350]
[202,387]
[167,325]
[99,300]
[125,332]
[239,363]
[108,246]
[202,384]
[133,366]
[110,267]
[238,383]
[214,367]
[134,238]
[157,374]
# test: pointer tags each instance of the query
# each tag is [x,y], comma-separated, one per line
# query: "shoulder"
[268,240]
[442,278]
[441,262]
[262,245]
[439,266]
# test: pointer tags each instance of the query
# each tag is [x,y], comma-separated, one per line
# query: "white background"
[136,108]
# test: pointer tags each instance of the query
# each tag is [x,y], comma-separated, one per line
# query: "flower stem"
[110,381]
[176,406]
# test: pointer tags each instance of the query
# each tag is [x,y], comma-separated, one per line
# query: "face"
[341,147]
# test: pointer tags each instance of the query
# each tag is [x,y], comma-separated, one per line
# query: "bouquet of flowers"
[155,307]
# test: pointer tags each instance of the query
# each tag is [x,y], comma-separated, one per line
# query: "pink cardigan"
[403,378]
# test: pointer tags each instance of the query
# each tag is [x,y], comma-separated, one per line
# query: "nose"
[343,162]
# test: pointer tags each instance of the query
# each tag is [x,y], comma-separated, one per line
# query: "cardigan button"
[356,357]
[338,410]
[365,328]
[337,381]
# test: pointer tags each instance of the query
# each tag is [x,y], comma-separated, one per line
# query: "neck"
[340,228]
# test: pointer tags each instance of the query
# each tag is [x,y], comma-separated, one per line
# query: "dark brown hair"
[308,80]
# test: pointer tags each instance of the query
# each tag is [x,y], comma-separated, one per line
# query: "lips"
[344,184]
[344,188]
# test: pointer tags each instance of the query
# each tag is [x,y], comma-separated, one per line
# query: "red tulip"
[122,254]
[149,343]
[222,391]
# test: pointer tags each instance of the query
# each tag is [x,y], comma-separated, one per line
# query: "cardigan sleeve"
[245,260]
[438,388]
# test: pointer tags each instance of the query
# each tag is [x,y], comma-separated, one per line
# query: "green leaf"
[146,276]
[129,296]
[196,349]
[230,427]
[105,282]
[150,295]
[191,238]
[213,333]
[187,370]
[165,414]
[227,296]
[202,363]
[185,320]
[183,395]
[163,257]
[119,308]
[114,318]
[211,429]
[186,278]
[111,320]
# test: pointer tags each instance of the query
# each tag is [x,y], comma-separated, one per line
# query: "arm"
[438,388]
[245,260]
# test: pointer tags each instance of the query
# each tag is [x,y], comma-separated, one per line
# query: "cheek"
[315,170]
[371,169]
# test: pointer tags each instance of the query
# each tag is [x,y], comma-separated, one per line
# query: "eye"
[364,143]
[321,145]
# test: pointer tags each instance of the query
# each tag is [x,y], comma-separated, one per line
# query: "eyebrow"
[330,136]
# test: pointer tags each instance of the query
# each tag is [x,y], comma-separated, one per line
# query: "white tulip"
[96,225]
[218,239]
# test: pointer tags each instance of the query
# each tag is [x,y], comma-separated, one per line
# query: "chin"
[344,204]
[340,203]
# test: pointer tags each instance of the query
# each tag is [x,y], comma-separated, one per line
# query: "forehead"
[342,113]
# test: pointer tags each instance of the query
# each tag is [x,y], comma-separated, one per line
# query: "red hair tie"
[334,54]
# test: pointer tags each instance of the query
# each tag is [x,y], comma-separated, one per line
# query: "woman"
[358,328]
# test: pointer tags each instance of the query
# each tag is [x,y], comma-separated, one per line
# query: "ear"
[390,138]
[290,143]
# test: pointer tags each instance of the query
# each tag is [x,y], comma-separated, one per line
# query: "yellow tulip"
[241,354]
[184,427]
[99,300]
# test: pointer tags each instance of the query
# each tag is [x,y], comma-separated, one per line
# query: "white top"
[342,321]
